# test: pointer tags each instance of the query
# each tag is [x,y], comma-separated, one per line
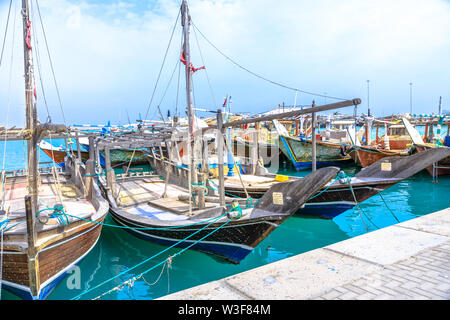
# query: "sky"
[107,55]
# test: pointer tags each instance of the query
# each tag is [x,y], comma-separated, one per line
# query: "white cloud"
[107,56]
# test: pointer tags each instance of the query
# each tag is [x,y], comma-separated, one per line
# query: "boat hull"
[233,242]
[267,151]
[326,204]
[123,156]
[443,166]
[300,153]
[58,156]
[368,156]
[54,263]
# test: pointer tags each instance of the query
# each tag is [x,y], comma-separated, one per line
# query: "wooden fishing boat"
[368,155]
[159,212]
[120,155]
[57,154]
[436,169]
[62,238]
[299,150]
[343,193]
[268,152]
[440,168]
[395,142]
[45,213]
[162,211]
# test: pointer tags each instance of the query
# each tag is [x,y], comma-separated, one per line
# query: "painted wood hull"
[123,156]
[54,263]
[440,170]
[58,246]
[232,242]
[58,156]
[327,204]
[300,152]
[368,155]
[267,151]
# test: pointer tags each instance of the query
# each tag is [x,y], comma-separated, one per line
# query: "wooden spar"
[110,173]
[220,157]
[378,125]
[314,146]
[186,23]
[295,113]
[254,152]
[78,146]
[33,260]
[366,132]
[31,200]
[90,169]
[31,116]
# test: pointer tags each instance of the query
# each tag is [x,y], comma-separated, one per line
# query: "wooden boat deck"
[71,197]
[143,197]
[249,180]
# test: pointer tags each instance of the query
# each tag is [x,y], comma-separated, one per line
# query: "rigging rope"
[206,72]
[51,64]
[6,31]
[133,279]
[162,65]
[261,77]
[155,255]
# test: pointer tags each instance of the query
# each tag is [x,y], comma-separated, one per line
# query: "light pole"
[368,106]
[410,97]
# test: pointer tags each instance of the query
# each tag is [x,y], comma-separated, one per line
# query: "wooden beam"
[33,260]
[283,115]
[313,151]
[220,132]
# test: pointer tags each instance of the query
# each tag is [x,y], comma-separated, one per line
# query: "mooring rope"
[154,256]
[130,282]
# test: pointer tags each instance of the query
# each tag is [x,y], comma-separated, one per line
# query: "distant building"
[446,112]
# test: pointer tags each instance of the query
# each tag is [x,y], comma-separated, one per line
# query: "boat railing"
[41,170]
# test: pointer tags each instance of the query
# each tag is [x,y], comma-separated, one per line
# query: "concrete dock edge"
[408,260]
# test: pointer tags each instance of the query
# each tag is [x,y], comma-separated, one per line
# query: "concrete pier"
[406,261]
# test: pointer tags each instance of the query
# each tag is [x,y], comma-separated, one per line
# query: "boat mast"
[31,136]
[186,23]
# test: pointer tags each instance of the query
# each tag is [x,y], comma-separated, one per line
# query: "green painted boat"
[299,151]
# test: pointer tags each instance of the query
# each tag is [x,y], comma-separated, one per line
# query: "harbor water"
[117,250]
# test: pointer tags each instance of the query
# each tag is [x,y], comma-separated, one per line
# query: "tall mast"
[186,23]
[30,107]
[31,136]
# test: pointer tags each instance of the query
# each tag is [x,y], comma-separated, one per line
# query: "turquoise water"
[117,250]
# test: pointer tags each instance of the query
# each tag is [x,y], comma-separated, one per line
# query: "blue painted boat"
[230,234]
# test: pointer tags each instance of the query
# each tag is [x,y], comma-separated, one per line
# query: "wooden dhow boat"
[175,212]
[58,154]
[343,193]
[299,150]
[439,168]
[44,212]
[120,156]
[161,212]
[394,142]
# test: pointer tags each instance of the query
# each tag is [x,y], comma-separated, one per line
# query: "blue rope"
[154,256]
[4,224]
[144,228]
[176,254]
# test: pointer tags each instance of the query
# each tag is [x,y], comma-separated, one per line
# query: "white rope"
[3,182]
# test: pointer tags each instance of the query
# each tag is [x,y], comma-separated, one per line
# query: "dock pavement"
[406,261]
